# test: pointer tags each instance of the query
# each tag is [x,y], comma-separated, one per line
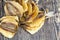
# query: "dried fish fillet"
[24,4]
[13,8]
[9,26]
[35,25]
[29,9]
[35,11]
[30,17]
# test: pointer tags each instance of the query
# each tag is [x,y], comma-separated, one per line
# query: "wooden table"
[49,31]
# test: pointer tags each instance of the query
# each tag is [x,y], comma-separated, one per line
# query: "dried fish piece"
[29,9]
[24,4]
[20,0]
[13,8]
[34,19]
[35,11]
[31,18]
[26,0]
[35,25]
[9,26]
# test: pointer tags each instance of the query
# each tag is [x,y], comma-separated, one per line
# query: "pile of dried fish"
[23,13]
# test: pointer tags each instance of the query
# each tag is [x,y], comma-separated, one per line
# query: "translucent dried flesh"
[13,8]
[34,13]
[9,25]
[29,13]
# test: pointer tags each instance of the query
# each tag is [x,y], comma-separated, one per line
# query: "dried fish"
[9,26]
[13,8]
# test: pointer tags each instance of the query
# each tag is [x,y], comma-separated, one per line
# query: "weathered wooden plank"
[1,37]
[0,7]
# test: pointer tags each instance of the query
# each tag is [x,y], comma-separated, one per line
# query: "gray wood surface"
[49,31]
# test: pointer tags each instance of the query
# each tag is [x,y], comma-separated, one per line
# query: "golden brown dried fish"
[24,4]
[35,11]
[31,18]
[35,25]
[29,9]
[9,26]
[13,8]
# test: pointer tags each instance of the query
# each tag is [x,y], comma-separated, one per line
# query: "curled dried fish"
[24,4]
[35,25]
[34,13]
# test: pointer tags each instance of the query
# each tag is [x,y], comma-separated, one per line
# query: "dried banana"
[9,26]
[13,8]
